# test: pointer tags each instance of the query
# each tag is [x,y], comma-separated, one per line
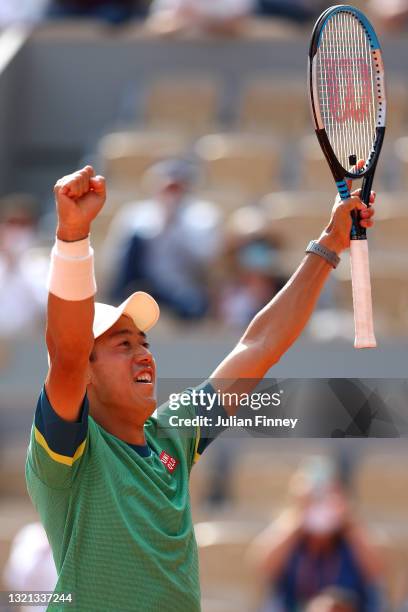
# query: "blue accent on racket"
[374,42]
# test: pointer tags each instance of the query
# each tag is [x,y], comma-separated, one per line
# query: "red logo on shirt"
[169,461]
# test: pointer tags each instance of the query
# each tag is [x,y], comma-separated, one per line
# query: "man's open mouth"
[145,377]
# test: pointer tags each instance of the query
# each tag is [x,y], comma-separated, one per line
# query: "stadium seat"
[12,479]
[15,512]
[188,104]
[68,29]
[314,171]
[268,493]
[225,574]
[125,156]
[397,104]
[396,570]
[227,200]
[401,153]
[391,498]
[391,223]
[296,218]
[238,161]
[274,105]
[389,285]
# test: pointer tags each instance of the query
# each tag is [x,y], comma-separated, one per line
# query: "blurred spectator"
[23,11]
[253,276]
[112,11]
[166,244]
[318,543]
[22,276]
[390,15]
[30,566]
[224,16]
[299,11]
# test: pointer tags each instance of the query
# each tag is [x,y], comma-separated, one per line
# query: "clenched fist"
[79,197]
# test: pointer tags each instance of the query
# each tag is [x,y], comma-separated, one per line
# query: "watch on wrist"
[318,249]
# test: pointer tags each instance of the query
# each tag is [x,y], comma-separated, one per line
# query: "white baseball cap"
[140,307]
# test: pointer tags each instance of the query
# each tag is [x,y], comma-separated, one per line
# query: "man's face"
[123,373]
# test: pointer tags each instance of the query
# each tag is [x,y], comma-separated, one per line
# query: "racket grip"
[362,301]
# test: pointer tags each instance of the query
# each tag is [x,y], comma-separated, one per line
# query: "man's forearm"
[79,196]
[70,314]
[281,321]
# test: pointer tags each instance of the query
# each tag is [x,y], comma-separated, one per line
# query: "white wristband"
[72,275]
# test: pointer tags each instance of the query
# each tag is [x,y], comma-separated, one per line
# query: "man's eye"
[125,343]
[146,345]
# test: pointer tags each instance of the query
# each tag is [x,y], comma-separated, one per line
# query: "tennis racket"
[347,96]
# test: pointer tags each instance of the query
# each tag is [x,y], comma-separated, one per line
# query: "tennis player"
[107,476]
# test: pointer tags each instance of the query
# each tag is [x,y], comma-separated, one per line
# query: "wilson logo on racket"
[346,100]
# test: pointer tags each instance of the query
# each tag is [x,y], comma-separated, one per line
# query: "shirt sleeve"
[57,447]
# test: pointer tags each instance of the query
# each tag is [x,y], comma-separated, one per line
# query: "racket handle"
[363,310]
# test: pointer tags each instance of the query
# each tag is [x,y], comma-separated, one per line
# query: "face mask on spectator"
[15,239]
[322,518]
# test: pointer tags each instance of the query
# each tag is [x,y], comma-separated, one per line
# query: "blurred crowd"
[201,260]
[173,244]
[22,272]
[176,246]
[179,16]
[318,555]
[178,13]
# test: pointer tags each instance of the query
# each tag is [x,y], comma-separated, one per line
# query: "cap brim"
[140,307]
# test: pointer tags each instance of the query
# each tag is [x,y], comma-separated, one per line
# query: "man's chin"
[147,405]
[145,391]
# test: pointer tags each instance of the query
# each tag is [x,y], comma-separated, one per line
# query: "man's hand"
[79,197]
[337,234]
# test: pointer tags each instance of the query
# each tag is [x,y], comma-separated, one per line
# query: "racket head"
[347,90]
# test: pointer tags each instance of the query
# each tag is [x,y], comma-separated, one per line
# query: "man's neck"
[132,433]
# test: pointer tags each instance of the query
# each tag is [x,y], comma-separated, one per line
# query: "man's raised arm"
[274,329]
[79,198]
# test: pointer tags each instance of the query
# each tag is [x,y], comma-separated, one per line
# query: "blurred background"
[197,113]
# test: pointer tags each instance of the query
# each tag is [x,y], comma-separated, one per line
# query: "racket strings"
[345,79]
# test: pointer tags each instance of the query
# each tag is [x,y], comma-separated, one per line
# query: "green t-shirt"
[119,523]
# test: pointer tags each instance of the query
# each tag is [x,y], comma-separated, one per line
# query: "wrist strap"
[72,274]
[318,249]
[77,249]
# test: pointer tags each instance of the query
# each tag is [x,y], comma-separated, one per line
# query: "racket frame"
[359,253]
[339,172]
